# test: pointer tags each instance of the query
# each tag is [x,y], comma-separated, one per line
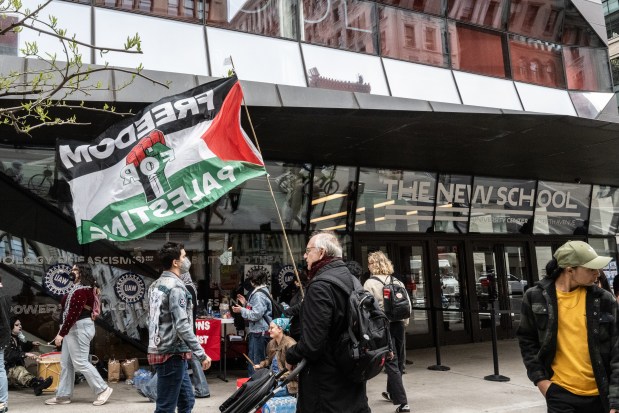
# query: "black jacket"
[323,388]
[537,336]
[5,322]
[294,314]
[15,354]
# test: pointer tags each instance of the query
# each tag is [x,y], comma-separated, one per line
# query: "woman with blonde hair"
[381,275]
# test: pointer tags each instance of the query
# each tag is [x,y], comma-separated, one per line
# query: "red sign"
[209,336]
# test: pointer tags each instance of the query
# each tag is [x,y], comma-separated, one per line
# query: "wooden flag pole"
[279,215]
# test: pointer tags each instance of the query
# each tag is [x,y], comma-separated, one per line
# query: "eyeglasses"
[308,249]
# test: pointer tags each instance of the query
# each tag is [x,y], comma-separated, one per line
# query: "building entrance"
[454,285]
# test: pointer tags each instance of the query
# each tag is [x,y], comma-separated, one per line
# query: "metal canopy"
[486,142]
[548,147]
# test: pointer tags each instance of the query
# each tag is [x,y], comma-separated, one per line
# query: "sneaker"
[42,385]
[3,407]
[58,400]
[199,396]
[140,392]
[103,396]
[386,396]
[403,408]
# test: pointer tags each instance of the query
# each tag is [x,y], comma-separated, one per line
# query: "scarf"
[319,264]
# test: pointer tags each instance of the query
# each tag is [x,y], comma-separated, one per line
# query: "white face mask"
[185,265]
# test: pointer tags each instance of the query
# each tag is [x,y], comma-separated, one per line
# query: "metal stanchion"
[437,345]
[495,356]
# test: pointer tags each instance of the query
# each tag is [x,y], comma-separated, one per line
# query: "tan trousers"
[19,376]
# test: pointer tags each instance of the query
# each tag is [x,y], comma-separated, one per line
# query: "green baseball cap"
[580,254]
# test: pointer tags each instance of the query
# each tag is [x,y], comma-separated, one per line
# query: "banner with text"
[173,158]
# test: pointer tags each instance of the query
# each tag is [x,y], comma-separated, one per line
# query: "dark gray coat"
[323,387]
[537,336]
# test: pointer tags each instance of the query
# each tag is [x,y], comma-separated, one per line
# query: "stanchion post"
[437,344]
[495,355]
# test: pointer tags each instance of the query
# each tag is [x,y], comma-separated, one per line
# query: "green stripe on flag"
[188,190]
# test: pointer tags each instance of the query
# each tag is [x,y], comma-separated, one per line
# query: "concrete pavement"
[461,389]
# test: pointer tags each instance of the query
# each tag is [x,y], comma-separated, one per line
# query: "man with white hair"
[323,386]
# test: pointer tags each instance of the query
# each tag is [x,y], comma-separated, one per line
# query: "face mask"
[21,337]
[185,265]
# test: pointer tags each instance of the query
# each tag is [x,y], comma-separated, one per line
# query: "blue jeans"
[257,345]
[174,387]
[197,377]
[4,384]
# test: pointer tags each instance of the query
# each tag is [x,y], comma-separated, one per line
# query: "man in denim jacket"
[171,338]
[257,310]
[568,334]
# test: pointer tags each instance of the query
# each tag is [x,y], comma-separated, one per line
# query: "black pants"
[559,400]
[393,367]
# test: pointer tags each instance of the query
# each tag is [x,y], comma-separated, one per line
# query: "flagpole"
[279,215]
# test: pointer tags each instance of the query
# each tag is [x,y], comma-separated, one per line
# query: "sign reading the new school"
[173,158]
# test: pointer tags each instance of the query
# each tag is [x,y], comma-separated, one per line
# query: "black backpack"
[277,310]
[395,300]
[362,349]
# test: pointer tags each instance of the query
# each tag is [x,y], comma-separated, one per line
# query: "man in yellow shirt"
[568,334]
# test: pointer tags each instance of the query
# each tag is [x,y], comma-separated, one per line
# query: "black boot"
[42,385]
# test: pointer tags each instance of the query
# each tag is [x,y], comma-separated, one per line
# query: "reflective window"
[587,69]
[487,91]
[452,203]
[577,31]
[340,70]
[395,200]
[331,188]
[157,40]
[250,205]
[265,17]
[604,218]
[541,20]
[411,36]
[233,256]
[256,58]
[184,9]
[562,208]
[501,206]
[343,24]
[479,12]
[545,100]
[425,6]
[477,50]
[608,248]
[75,18]
[533,61]
[415,81]
[590,104]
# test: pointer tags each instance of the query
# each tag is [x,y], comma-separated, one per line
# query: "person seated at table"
[276,353]
[14,360]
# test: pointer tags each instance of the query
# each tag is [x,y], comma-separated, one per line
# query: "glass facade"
[544,43]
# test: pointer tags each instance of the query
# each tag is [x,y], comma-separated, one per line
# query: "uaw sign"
[130,288]
[208,333]
[56,281]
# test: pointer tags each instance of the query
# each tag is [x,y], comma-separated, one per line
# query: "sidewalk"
[461,389]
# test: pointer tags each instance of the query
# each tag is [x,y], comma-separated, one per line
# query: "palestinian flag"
[173,158]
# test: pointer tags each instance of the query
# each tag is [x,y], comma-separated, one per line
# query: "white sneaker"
[58,400]
[3,407]
[103,396]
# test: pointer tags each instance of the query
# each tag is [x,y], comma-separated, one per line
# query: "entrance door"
[501,275]
[432,273]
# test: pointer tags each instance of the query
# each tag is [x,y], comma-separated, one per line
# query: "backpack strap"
[265,292]
[378,279]
[338,282]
